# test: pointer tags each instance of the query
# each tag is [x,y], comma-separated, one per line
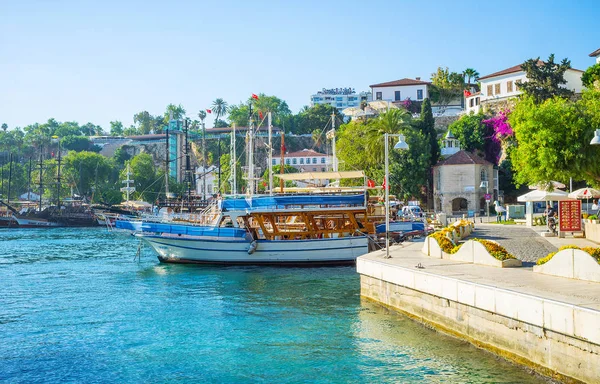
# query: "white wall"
[572,77]
[406,91]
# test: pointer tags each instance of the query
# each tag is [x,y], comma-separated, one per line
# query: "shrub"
[594,252]
[495,249]
[593,217]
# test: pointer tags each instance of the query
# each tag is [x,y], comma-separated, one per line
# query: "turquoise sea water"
[74,307]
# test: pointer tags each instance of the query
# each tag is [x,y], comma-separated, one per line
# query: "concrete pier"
[548,323]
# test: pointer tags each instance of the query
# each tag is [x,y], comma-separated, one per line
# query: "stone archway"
[460,204]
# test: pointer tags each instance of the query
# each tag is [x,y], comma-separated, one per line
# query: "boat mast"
[187,161]
[9,178]
[29,184]
[233,163]
[41,170]
[128,189]
[167,162]
[58,177]
[203,161]
[250,154]
[270,154]
[281,161]
[332,133]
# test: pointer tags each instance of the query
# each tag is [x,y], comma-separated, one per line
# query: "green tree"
[279,109]
[553,139]
[469,130]
[470,73]
[221,124]
[145,122]
[219,108]
[121,156]
[116,128]
[317,117]
[545,79]
[76,143]
[426,125]
[4,127]
[446,86]
[238,115]
[590,78]
[177,111]
[68,128]
[148,181]
[88,171]
[226,175]
[393,121]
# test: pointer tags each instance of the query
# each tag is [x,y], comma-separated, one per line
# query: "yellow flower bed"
[495,249]
[594,252]
[444,242]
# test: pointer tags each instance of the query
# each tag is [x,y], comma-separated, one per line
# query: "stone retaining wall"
[556,339]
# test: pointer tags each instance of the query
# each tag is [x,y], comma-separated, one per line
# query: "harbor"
[83,311]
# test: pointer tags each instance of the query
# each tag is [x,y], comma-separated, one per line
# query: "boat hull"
[175,249]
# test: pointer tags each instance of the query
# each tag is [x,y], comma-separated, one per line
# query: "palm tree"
[393,121]
[202,115]
[219,108]
[470,73]
[4,127]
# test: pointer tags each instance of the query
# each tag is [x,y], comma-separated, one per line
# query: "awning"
[321,175]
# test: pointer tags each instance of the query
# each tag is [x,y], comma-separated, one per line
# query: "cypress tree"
[427,126]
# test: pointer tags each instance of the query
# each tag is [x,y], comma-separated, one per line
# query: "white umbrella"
[352,111]
[381,105]
[585,193]
[541,195]
[554,184]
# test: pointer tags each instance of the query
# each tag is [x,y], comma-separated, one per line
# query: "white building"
[208,178]
[502,85]
[306,160]
[400,90]
[596,55]
[340,98]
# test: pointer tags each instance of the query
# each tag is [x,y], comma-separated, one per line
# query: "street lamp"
[484,184]
[596,139]
[400,145]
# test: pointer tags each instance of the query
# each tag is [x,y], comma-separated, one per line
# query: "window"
[396,95]
[439,179]
[314,169]
[378,96]
[489,90]
[509,86]
[322,160]
[483,174]
[302,160]
[287,161]
[308,160]
[294,161]
[497,89]
[477,101]
[322,169]
[471,103]
[516,86]
[273,161]
[314,160]
[419,94]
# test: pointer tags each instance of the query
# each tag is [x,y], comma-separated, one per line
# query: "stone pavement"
[526,243]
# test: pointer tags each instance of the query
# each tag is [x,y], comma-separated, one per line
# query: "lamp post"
[484,184]
[596,139]
[400,145]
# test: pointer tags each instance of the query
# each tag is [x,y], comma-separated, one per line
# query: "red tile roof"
[400,83]
[595,53]
[516,68]
[303,153]
[463,157]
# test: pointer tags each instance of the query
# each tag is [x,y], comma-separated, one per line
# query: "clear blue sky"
[106,60]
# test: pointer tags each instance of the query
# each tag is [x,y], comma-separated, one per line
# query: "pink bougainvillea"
[499,125]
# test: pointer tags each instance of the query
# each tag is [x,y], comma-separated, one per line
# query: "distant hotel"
[340,98]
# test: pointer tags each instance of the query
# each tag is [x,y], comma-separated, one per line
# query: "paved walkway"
[526,243]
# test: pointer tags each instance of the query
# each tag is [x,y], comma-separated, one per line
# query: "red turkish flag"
[467,93]
[384,185]
[254,97]
[260,115]
[370,183]
[209,110]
